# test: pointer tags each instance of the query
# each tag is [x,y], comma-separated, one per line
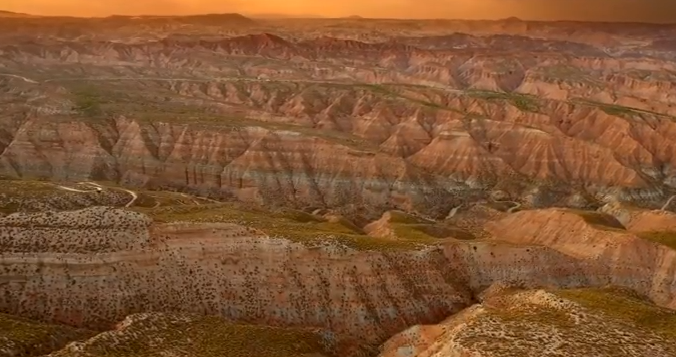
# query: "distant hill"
[201,19]
[14,14]
[284,16]
[512,19]
[219,19]
[232,19]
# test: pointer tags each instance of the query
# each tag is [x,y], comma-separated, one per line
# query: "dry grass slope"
[157,335]
[665,238]
[600,220]
[627,307]
[32,195]
[294,225]
[581,322]
[21,337]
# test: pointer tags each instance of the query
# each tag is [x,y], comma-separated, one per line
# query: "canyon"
[217,185]
[93,267]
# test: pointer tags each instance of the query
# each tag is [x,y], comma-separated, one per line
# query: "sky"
[586,10]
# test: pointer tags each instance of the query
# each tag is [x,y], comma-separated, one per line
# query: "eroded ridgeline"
[95,266]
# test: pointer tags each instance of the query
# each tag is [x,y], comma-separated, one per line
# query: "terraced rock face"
[242,274]
[628,256]
[421,169]
[306,119]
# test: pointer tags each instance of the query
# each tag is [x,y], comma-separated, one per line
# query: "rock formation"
[182,334]
[542,323]
[375,180]
[292,117]
[101,264]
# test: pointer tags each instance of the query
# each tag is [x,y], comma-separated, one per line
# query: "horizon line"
[320,17]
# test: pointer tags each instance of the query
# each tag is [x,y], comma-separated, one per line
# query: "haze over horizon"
[582,10]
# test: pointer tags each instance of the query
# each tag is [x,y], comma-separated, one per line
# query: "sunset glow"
[599,10]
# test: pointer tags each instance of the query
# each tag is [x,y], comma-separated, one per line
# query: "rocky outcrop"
[541,323]
[226,270]
[639,220]
[253,162]
[628,260]
[470,127]
[241,274]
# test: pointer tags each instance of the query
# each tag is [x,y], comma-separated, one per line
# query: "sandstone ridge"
[519,323]
[281,112]
[244,275]
[336,187]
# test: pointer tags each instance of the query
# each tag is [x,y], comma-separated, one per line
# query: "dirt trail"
[28,80]
[455,209]
[77,190]
[666,204]
[190,198]
[98,188]
[516,206]
[453,212]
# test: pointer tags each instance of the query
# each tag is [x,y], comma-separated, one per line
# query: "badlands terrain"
[218,185]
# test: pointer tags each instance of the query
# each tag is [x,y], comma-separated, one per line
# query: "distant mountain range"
[14,14]
[284,16]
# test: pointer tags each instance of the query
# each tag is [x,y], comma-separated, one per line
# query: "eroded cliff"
[581,322]
[244,275]
[329,121]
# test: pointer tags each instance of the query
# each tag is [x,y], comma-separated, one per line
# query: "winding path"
[455,209]
[99,188]
[190,198]
[516,206]
[76,190]
[666,205]
[28,80]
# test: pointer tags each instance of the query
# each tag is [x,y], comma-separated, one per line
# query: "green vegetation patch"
[390,92]
[625,306]
[667,238]
[616,110]
[162,335]
[599,220]
[20,188]
[619,110]
[534,314]
[404,218]
[609,319]
[89,103]
[97,103]
[429,233]
[524,102]
[13,191]
[570,74]
[415,232]
[30,338]
[409,228]
[294,225]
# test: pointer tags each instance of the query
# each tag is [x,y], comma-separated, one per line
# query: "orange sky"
[601,10]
